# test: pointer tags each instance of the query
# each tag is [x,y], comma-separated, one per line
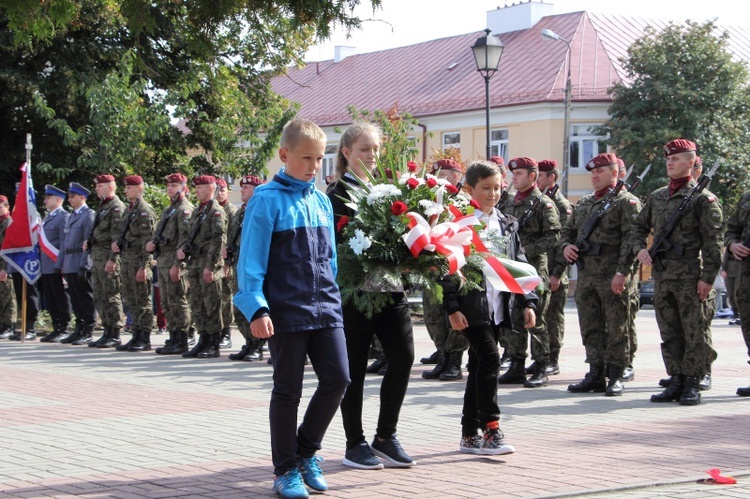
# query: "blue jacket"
[72,258]
[287,265]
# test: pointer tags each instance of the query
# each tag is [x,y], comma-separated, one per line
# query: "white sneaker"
[492,444]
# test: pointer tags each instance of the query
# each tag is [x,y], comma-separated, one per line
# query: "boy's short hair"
[299,128]
[480,170]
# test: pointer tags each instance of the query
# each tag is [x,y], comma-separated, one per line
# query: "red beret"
[132,180]
[448,164]
[251,180]
[221,182]
[679,145]
[175,178]
[204,180]
[698,162]
[620,164]
[547,165]
[522,163]
[603,159]
[497,160]
[3,199]
[103,179]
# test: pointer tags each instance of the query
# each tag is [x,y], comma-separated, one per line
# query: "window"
[584,145]
[328,165]
[499,143]
[452,139]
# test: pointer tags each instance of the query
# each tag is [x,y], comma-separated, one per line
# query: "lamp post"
[547,33]
[487,52]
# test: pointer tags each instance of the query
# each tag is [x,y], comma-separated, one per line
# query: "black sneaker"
[391,452]
[361,457]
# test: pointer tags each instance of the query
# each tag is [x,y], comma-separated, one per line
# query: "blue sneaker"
[290,486]
[312,474]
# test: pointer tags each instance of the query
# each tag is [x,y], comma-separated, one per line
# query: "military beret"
[678,146]
[448,164]
[103,179]
[603,159]
[76,188]
[220,182]
[51,190]
[698,162]
[499,161]
[175,178]
[204,180]
[522,163]
[133,180]
[251,180]
[3,199]
[547,165]
[620,164]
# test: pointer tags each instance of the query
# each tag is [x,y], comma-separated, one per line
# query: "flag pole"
[23,287]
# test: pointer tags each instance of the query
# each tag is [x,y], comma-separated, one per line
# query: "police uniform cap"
[51,190]
[76,188]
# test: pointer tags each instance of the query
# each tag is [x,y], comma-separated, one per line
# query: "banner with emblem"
[20,247]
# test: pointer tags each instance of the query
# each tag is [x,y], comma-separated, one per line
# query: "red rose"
[399,208]
[342,223]
[451,189]
[412,183]
[412,166]
[474,204]
[431,182]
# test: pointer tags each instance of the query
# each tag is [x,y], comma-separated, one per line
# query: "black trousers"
[394,330]
[32,300]
[480,397]
[56,299]
[82,298]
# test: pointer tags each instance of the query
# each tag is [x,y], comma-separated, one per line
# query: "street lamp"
[487,52]
[548,33]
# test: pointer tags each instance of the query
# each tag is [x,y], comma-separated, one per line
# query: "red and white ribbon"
[448,238]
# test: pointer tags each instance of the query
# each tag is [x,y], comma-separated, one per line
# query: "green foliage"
[682,82]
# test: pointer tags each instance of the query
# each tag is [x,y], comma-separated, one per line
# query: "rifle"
[527,214]
[90,240]
[121,241]
[556,187]
[158,238]
[187,248]
[232,246]
[662,244]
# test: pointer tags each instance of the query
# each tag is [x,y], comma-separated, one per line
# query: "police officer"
[549,176]
[604,263]
[7,293]
[227,308]
[253,348]
[684,298]
[51,284]
[171,232]
[736,241]
[137,228]
[207,234]
[539,229]
[75,264]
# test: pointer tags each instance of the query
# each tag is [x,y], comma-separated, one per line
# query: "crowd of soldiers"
[106,258]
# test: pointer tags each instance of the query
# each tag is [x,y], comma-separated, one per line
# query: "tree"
[683,83]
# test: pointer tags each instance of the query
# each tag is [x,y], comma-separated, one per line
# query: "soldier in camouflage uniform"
[684,298]
[549,175]
[207,234]
[253,347]
[737,241]
[539,229]
[604,263]
[138,224]
[105,266]
[227,308]
[7,293]
[171,233]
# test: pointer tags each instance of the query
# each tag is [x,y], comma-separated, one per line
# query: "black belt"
[686,255]
[73,251]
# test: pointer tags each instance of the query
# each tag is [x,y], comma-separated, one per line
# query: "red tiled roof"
[440,77]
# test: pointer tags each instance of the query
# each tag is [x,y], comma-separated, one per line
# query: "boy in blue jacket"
[287,287]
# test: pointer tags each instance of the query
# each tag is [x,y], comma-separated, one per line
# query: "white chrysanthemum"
[360,242]
[403,179]
[430,208]
[382,191]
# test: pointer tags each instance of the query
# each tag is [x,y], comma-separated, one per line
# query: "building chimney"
[341,52]
[517,16]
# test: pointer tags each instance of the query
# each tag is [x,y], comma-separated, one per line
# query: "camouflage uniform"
[738,231]
[538,235]
[140,219]
[7,293]
[603,316]
[682,318]
[556,309]
[207,234]
[227,308]
[733,269]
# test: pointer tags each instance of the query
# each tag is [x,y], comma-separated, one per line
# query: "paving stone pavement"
[83,422]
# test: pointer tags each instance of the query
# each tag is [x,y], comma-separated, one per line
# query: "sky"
[405,22]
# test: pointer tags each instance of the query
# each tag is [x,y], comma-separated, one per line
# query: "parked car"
[646,292]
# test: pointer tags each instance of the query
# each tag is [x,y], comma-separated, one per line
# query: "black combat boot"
[435,372]
[614,387]
[226,338]
[431,360]
[539,378]
[743,391]
[691,394]
[143,343]
[704,382]
[256,350]
[628,374]
[55,335]
[592,382]
[452,370]
[504,360]
[76,333]
[377,365]
[167,343]
[515,373]
[103,339]
[672,393]
[6,331]
[178,346]
[241,354]
[191,335]
[86,335]
[531,368]
[199,346]
[113,340]
[553,367]
[212,347]
[30,333]
[123,347]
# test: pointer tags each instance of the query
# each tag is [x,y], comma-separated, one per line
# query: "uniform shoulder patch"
[116,210]
[633,201]
[711,199]
[186,212]
[569,211]
[217,214]
[549,206]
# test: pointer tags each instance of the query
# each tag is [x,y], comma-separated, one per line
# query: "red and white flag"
[20,247]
